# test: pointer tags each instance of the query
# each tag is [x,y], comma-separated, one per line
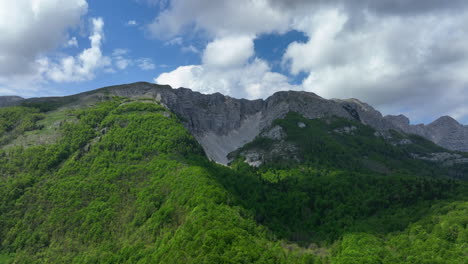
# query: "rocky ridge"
[6,101]
[445,131]
[223,124]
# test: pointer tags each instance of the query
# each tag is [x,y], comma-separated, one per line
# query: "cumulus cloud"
[132,23]
[83,66]
[72,42]
[229,51]
[119,57]
[29,60]
[145,64]
[396,63]
[24,42]
[190,48]
[23,37]
[227,69]
[219,18]
[396,55]
[254,80]
[122,60]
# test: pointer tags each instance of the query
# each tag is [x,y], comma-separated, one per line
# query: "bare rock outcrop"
[223,124]
[445,131]
[6,101]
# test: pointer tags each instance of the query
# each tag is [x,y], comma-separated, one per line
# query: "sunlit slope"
[124,182]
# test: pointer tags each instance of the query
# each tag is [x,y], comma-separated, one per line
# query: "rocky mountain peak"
[445,121]
[400,121]
[223,124]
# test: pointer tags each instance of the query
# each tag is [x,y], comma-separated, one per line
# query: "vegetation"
[126,183]
[17,120]
[358,150]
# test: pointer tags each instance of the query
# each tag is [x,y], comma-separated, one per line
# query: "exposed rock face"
[275,133]
[345,130]
[10,100]
[447,159]
[445,131]
[281,149]
[222,124]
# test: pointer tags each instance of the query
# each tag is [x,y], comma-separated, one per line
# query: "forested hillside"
[124,182]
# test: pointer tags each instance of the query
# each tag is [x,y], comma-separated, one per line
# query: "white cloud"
[120,52]
[226,69]
[132,23]
[392,63]
[396,55]
[146,64]
[30,29]
[190,48]
[120,59]
[254,80]
[179,41]
[83,66]
[32,32]
[72,42]
[23,38]
[228,51]
[175,41]
[219,18]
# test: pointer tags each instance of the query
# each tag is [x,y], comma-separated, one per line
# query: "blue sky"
[136,39]
[405,57]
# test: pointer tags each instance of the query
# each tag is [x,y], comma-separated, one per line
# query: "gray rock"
[446,158]
[253,158]
[404,141]
[223,124]
[275,133]
[445,131]
[345,130]
[6,101]
[278,150]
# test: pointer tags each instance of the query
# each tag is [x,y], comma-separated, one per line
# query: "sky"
[400,56]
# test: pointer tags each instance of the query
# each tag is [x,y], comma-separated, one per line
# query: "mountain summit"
[222,124]
[121,175]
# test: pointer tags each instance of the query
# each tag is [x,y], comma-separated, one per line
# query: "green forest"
[123,181]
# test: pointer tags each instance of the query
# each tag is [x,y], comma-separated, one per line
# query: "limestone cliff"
[223,124]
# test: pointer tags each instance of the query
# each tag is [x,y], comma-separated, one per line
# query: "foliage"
[123,186]
[17,120]
[127,183]
[359,150]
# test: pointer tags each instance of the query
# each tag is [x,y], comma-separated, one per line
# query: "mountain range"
[222,124]
[143,173]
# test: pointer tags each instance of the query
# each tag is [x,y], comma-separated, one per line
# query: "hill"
[99,178]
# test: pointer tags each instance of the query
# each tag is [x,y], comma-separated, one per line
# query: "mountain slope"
[123,185]
[350,145]
[123,181]
[222,124]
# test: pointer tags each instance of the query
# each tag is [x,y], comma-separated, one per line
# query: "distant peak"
[398,119]
[445,120]
[13,97]
[294,94]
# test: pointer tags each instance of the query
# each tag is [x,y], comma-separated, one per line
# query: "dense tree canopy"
[126,183]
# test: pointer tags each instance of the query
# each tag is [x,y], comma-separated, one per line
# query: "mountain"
[222,124]
[121,175]
[10,100]
[445,131]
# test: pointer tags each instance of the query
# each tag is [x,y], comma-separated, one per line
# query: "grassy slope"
[320,146]
[129,193]
[128,184]
[333,198]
